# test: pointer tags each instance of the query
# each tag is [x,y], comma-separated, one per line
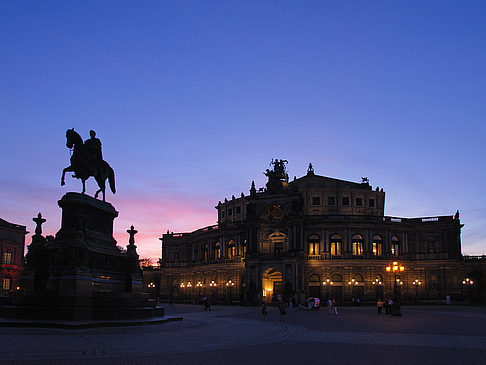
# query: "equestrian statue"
[87,160]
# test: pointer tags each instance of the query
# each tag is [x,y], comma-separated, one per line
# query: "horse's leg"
[67,169]
[101,184]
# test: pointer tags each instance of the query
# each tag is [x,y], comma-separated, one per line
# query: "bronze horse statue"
[84,164]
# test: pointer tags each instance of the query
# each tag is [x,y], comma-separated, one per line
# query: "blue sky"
[192,100]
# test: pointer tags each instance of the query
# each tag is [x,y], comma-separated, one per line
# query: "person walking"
[281,308]
[334,306]
[264,311]
[379,305]
[329,306]
[390,305]
[207,306]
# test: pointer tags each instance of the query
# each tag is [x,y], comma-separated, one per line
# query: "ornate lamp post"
[469,285]
[327,283]
[416,283]
[396,268]
[182,289]
[151,287]
[377,284]
[198,286]
[213,285]
[229,286]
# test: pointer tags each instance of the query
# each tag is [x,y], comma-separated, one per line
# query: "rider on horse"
[92,147]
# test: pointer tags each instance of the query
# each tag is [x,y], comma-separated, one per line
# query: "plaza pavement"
[238,335]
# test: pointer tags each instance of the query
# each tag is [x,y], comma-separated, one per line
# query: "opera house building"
[317,236]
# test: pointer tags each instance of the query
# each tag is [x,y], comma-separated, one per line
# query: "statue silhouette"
[86,161]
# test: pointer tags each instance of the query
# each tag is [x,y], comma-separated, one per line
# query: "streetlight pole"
[395,268]
[416,283]
[182,290]
[229,286]
[198,286]
[212,284]
[327,283]
[468,283]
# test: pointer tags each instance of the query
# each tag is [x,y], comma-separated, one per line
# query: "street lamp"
[377,284]
[182,289]
[354,283]
[327,283]
[151,287]
[198,286]
[416,283]
[396,268]
[213,285]
[468,283]
[229,286]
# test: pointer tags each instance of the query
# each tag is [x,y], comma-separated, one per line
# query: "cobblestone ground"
[238,335]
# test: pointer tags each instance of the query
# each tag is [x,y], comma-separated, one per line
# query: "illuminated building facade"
[12,240]
[320,237]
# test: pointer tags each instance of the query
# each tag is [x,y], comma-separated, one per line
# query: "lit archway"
[272,285]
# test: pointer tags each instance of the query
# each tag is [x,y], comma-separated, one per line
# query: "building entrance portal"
[272,285]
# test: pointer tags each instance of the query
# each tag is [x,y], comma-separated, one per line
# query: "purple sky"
[192,99]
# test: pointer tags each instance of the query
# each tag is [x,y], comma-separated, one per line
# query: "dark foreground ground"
[238,335]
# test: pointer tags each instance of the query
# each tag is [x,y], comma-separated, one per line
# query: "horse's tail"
[111,179]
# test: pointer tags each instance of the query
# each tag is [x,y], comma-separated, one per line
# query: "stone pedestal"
[81,274]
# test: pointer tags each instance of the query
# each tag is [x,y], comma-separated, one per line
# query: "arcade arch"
[272,285]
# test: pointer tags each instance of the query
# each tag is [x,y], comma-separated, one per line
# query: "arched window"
[336,242]
[377,246]
[378,279]
[314,244]
[357,245]
[359,278]
[395,246]
[314,278]
[217,251]
[7,281]
[337,279]
[231,249]
[7,257]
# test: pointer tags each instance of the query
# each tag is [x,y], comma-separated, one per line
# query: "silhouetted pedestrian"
[207,306]
[264,311]
[379,305]
[281,308]
[334,306]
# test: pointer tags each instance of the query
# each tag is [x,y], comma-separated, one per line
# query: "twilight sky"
[192,99]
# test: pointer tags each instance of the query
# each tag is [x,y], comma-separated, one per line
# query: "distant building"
[12,240]
[317,237]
